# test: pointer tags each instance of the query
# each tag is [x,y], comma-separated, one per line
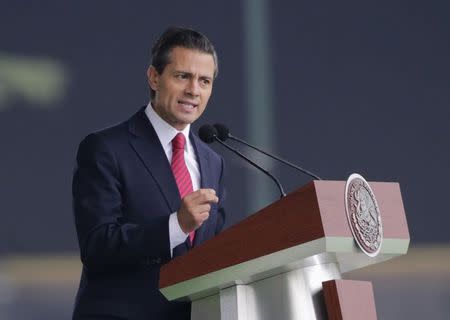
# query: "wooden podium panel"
[276,263]
[307,222]
[349,300]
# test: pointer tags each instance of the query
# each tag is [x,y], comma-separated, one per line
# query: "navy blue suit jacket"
[123,194]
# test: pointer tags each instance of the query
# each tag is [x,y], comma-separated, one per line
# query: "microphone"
[223,134]
[209,134]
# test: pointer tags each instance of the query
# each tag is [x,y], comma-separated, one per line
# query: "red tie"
[180,171]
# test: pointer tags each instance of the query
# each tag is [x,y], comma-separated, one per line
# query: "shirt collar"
[164,131]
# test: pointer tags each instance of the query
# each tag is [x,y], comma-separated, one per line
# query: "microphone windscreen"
[222,131]
[207,133]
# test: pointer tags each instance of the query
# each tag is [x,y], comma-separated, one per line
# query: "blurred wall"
[355,87]
[360,87]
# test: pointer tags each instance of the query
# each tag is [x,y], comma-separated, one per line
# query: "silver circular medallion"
[363,215]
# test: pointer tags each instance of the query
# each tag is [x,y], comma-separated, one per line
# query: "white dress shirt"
[166,133]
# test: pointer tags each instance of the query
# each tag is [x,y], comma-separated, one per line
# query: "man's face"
[183,89]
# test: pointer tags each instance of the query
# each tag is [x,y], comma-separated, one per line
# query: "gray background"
[355,86]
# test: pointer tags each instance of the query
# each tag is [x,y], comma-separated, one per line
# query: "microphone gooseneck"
[209,134]
[223,134]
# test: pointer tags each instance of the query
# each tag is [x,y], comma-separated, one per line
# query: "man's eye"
[182,76]
[205,82]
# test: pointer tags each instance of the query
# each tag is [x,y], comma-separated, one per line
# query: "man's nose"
[193,88]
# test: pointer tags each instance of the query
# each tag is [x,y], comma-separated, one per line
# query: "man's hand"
[195,209]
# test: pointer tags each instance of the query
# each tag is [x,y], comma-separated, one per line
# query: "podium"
[286,260]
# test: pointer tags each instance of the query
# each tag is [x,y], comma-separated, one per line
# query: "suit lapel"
[205,173]
[145,142]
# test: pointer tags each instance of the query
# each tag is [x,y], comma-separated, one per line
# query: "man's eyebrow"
[190,74]
[206,77]
[181,71]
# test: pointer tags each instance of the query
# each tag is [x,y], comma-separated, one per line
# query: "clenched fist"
[195,209]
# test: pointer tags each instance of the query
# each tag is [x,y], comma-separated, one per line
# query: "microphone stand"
[275,157]
[280,187]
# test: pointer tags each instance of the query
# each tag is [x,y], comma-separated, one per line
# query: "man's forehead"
[188,60]
[178,50]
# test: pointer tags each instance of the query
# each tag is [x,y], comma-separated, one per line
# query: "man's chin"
[180,124]
[188,119]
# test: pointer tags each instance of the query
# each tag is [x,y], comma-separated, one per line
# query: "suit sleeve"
[105,239]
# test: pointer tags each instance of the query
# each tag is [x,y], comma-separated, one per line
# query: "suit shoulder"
[116,132]
[110,133]
[104,140]
[98,141]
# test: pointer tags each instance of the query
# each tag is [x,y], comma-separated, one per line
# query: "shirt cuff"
[176,235]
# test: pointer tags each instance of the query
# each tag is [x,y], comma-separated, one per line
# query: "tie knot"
[179,141]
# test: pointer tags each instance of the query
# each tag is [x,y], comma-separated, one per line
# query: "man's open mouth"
[188,105]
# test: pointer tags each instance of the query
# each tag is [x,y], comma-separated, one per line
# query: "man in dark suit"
[147,190]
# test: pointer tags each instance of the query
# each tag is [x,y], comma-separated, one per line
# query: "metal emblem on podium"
[363,215]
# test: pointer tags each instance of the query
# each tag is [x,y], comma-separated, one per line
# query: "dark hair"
[180,37]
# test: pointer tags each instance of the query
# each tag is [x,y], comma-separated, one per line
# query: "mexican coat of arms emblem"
[363,215]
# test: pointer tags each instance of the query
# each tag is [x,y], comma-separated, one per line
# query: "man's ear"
[152,78]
